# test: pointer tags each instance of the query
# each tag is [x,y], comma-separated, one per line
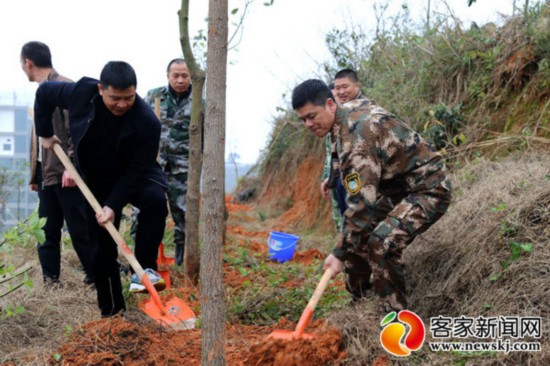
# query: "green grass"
[263,298]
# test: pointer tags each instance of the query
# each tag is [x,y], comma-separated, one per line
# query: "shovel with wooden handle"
[307,314]
[174,313]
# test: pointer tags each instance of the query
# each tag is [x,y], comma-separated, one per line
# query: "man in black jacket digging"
[116,141]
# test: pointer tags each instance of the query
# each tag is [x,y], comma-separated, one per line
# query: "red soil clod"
[325,348]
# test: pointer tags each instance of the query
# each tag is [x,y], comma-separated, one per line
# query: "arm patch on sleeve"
[352,182]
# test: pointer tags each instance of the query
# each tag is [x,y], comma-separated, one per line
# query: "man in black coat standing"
[116,141]
[59,198]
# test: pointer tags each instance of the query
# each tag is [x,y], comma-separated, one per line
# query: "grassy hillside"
[483,90]
[494,78]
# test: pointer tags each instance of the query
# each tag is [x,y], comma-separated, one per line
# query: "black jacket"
[137,143]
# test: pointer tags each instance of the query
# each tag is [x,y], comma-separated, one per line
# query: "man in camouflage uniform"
[175,116]
[344,89]
[397,187]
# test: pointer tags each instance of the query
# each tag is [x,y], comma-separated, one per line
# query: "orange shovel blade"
[163,260]
[307,314]
[174,313]
[288,335]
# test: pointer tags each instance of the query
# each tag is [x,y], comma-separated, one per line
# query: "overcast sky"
[280,46]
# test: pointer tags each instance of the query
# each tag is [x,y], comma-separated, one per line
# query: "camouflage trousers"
[375,263]
[177,190]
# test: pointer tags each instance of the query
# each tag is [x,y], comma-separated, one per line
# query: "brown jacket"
[52,169]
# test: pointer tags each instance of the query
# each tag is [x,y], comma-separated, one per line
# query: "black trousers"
[57,204]
[151,201]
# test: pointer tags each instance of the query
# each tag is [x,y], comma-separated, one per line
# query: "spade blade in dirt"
[307,314]
[172,313]
[175,314]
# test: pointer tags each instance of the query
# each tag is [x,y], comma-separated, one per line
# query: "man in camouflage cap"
[175,116]
[397,187]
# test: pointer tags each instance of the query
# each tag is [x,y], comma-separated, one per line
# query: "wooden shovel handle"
[157,107]
[307,314]
[320,289]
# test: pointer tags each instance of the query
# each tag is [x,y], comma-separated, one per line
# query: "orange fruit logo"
[398,339]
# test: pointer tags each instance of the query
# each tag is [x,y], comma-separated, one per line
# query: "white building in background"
[16,200]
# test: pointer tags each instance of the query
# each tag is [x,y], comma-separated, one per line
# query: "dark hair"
[331,86]
[347,73]
[38,53]
[118,74]
[311,91]
[175,61]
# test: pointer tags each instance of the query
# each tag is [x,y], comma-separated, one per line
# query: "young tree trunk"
[213,222]
[191,260]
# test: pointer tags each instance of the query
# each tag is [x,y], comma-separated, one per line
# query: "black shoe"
[89,280]
[52,283]
[120,314]
[125,269]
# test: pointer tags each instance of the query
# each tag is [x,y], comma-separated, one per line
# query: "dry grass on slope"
[50,313]
[456,268]
[466,264]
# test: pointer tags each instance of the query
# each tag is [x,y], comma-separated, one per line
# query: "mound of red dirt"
[235,207]
[325,348]
[118,342]
[308,256]
[239,230]
[115,341]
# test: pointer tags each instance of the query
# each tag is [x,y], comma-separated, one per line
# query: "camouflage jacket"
[175,118]
[326,168]
[382,161]
[336,215]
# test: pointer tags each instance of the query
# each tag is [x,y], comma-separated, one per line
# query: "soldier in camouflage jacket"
[175,116]
[397,187]
[345,88]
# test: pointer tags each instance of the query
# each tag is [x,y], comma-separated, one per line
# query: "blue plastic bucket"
[282,246]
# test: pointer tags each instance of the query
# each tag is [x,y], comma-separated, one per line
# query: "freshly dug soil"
[325,348]
[115,341]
